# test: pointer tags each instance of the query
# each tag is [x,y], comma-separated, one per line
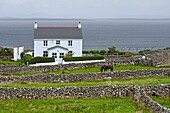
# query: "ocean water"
[131,35]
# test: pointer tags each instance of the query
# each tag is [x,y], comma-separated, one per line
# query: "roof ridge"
[57,27]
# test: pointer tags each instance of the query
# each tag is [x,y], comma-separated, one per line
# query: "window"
[70,53]
[54,55]
[61,55]
[57,42]
[70,43]
[45,43]
[45,53]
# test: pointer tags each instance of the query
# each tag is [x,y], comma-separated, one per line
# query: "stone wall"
[87,92]
[122,60]
[85,76]
[70,92]
[158,57]
[161,90]
[15,69]
[6,57]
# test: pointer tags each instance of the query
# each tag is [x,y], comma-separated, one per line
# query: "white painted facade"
[49,47]
[17,52]
[76,47]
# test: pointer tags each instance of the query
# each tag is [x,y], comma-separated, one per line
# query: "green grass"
[92,69]
[95,105]
[6,62]
[164,101]
[135,81]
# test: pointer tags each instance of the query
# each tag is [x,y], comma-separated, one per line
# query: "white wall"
[17,53]
[76,48]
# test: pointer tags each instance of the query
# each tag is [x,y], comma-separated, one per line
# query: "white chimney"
[35,25]
[79,25]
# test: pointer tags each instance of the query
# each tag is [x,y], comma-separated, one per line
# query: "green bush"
[166,48]
[85,52]
[50,59]
[27,58]
[112,49]
[142,52]
[83,58]
[94,51]
[103,52]
[41,60]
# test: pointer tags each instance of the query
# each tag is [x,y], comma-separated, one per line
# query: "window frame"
[54,55]
[61,56]
[58,41]
[45,53]
[70,43]
[45,43]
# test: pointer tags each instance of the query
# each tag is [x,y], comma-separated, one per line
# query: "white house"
[17,52]
[57,41]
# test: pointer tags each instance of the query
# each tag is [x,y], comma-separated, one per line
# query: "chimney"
[79,25]
[35,25]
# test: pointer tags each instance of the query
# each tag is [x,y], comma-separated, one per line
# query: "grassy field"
[6,62]
[164,101]
[135,81]
[96,105]
[93,69]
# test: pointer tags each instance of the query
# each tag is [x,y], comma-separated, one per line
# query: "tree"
[112,49]
[22,55]
[102,52]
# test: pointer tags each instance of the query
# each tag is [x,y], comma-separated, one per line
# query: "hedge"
[83,58]
[28,58]
[42,60]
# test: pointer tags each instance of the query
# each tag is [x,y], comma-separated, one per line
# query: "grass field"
[6,62]
[135,81]
[95,105]
[164,101]
[93,69]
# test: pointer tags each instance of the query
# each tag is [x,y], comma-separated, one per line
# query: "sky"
[85,8]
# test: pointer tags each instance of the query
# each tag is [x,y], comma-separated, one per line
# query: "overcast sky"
[85,8]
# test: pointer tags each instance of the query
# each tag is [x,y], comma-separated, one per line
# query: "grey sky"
[85,8]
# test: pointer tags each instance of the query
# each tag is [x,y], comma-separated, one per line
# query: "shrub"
[103,52]
[166,48]
[92,51]
[85,52]
[50,59]
[112,49]
[42,60]
[142,52]
[128,53]
[97,55]
[27,58]
[83,58]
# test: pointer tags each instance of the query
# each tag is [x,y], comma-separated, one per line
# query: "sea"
[98,34]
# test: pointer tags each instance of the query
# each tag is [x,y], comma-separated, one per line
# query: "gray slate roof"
[57,47]
[58,33]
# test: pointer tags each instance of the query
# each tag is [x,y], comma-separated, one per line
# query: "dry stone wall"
[122,60]
[135,91]
[85,76]
[68,92]
[15,69]
[157,58]
[140,93]
[6,57]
